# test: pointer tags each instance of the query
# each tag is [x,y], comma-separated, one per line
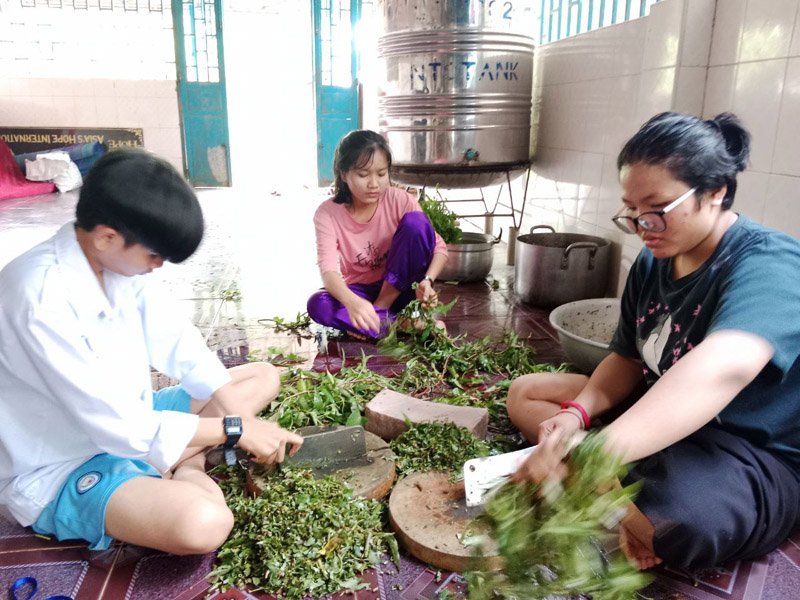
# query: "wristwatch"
[429,278]
[232,426]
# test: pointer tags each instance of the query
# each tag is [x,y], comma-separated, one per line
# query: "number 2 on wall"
[507,8]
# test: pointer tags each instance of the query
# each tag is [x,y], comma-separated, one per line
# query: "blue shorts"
[79,509]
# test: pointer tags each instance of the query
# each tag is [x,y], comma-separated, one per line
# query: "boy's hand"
[266,441]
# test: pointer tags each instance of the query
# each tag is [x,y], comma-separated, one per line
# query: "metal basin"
[470,259]
[585,329]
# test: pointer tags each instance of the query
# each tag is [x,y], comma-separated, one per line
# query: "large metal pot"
[470,259]
[551,269]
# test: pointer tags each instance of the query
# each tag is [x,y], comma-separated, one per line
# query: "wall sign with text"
[23,140]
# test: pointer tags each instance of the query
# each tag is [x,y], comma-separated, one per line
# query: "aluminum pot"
[470,259]
[552,268]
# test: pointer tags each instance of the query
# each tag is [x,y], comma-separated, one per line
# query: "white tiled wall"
[62,67]
[697,56]
[98,103]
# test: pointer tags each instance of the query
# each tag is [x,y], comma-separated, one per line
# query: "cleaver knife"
[484,476]
[327,449]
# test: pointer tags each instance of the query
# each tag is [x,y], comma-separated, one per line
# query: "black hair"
[145,199]
[703,154]
[354,151]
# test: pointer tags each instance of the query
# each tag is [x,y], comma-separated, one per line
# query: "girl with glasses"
[704,376]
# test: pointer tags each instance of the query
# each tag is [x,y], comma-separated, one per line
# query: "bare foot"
[636,539]
[419,325]
[357,336]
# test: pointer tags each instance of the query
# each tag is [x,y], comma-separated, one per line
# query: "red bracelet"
[584,415]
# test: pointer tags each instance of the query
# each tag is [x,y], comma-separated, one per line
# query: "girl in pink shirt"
[373,243]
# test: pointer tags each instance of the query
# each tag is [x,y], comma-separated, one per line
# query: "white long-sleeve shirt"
[75,371]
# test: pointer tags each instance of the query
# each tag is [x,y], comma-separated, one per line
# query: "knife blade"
[483,476]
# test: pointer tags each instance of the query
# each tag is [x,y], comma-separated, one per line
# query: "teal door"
[335,82]
[201,89]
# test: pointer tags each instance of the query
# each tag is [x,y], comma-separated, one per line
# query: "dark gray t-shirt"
[751,283]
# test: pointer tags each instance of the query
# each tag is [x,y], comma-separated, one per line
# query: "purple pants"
[409,257]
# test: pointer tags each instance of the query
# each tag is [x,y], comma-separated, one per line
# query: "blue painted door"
[201,89]
[335,81]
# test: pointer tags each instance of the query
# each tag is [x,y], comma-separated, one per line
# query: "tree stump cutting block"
[387,411]
[429,514]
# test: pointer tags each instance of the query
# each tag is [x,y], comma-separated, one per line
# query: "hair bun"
[737,139]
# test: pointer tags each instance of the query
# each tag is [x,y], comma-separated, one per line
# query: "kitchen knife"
[483,476]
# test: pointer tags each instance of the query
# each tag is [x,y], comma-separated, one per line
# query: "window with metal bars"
[336,43]
[559,19]
[137,6]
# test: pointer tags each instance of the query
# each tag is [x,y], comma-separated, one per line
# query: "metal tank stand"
[489,214]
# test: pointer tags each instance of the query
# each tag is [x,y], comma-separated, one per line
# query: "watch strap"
[232,426]
[230,455]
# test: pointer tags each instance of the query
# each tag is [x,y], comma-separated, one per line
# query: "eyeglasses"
[652,221]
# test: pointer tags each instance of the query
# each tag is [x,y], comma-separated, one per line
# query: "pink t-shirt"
[358,250]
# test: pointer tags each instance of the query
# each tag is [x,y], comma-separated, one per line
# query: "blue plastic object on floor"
[83,155]
[33,585]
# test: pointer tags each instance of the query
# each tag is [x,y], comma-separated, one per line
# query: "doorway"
[201,91]
[335,80]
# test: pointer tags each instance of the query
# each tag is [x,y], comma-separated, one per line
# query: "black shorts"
[713,497]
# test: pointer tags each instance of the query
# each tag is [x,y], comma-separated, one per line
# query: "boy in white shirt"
[87,450]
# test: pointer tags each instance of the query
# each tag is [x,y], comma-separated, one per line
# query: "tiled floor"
[262,246]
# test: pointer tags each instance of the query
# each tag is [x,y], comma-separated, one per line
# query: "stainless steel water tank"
[455,96]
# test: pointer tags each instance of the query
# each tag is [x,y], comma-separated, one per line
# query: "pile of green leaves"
[455,359]
[310,398]
[444,221]
[436,446]
[551,539]
[454,369]
[301,536]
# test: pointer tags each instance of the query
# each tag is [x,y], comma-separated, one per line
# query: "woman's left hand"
[547,461]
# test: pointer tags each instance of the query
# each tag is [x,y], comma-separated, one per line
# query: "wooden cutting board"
[372,481]
[430,517]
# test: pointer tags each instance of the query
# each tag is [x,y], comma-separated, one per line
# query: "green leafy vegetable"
[552,545]
[300,326]
[444,221]
[310,398]
[301,536]
[435,446]
[275,355]
[231,295]
[456,370]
